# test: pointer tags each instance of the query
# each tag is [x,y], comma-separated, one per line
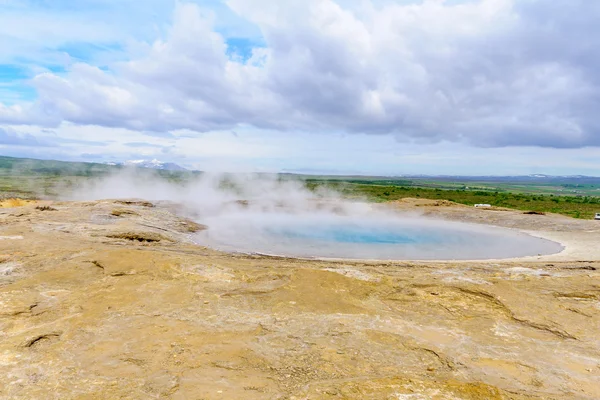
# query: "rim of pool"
[368,238]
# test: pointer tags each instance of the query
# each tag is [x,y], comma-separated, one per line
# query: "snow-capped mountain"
[153,164]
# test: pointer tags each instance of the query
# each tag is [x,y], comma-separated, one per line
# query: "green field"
[32,179]
[28,178]
[576,197]
[573,206]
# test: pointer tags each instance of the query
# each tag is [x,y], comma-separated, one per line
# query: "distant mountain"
[153,164]
[12,166]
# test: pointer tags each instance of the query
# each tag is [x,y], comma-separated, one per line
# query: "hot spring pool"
[380,238]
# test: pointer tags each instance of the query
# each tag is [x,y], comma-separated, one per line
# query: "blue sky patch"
[14,84]
[93,53]
[240,49]
[12,72]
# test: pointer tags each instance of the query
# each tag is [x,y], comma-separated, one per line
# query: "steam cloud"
[269,214]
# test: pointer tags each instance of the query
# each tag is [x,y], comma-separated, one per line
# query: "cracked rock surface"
[109,300]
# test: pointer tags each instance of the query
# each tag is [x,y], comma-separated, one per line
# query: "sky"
[380,87]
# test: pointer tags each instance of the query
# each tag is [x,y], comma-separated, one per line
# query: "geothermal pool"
[376,238]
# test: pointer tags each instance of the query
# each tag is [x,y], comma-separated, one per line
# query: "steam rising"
[268,214]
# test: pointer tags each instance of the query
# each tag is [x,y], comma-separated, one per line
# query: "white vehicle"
[483,205]
[597,216]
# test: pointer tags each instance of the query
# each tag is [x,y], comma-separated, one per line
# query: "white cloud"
[11,137]
[256,150]
[484,73]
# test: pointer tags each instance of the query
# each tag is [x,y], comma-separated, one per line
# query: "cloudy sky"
[337,86]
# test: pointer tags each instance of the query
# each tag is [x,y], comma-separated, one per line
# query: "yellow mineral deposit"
[107,300]
[10,203]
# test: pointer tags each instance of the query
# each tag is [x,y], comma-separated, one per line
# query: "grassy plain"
[32,179]
[577,197]
[577,206]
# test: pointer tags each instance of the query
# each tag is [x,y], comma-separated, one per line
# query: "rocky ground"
[109,300]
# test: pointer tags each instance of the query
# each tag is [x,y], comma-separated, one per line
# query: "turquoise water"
[311,236]
[356,234]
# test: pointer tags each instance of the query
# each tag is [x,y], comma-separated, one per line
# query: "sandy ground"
[107,300]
